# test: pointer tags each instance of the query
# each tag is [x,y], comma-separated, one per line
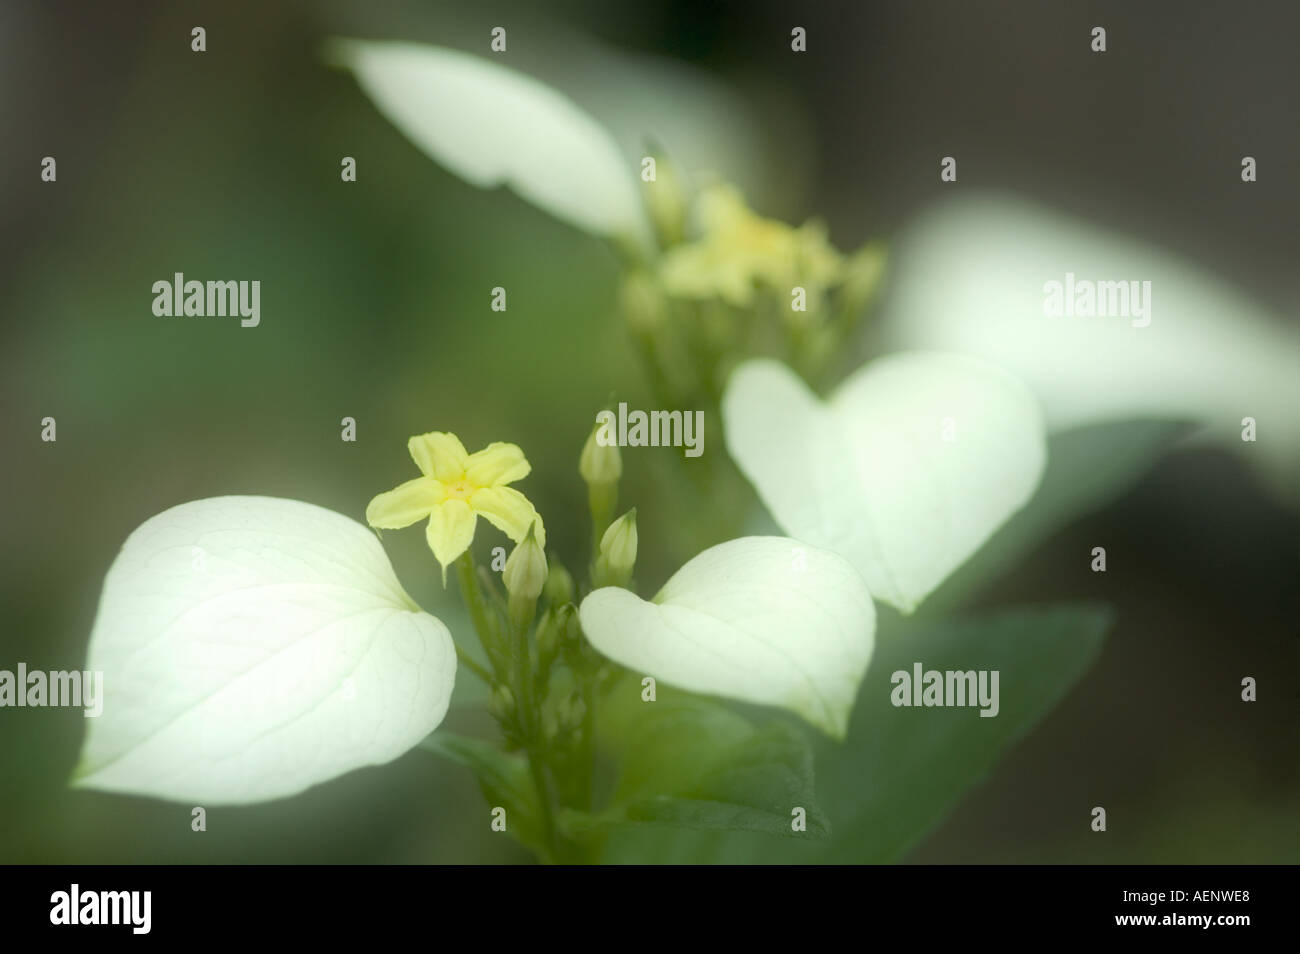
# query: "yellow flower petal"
[497,463]
[509,511]
[439,455]
[450,532]
[404,504]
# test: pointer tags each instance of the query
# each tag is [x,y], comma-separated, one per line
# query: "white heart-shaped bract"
[912,464]
[970,277]
[252,647]
[649,104]
[760,619]
[492,125]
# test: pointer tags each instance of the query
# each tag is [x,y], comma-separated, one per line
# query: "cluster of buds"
[723,273]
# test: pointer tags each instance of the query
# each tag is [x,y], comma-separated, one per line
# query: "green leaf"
[1087,468]
[504,779]
[689,763]
[901,770]
[904,769]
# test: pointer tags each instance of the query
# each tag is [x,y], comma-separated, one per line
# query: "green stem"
[477,607]
[587,754]
[511,666]
[545,798]
[601,501]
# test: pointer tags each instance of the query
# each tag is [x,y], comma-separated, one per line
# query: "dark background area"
[225,165]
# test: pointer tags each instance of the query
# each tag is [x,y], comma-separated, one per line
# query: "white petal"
[905,472]
[253,647]
[703,123]
[971,278]
[761,619]
[492,125]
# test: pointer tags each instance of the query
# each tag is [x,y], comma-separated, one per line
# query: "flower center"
[461,489]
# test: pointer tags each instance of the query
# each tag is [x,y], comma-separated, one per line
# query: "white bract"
[766,620]
[909,467]
[653,104]
[492,125]
[970,277]
[252,647]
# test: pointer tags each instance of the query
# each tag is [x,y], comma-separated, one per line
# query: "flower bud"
[666,201]
[617,555]
[644,305]
[570,712]
[566,625]
[501,703]
[525,571]
[550,725]
[559,586]
[601,463]
[548,636]
[572,643]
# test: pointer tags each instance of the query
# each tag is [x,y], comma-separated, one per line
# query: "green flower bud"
[572,644]
[525,572]
[644,306]
[548,636]
[600,464]
[570,712]
[566,625]
[617,555]
[666,201]
[550,724]
[501,704]
[559,586]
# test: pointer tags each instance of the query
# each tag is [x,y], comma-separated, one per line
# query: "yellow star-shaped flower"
[454,489]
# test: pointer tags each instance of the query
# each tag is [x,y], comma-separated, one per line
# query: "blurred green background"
[375,305]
